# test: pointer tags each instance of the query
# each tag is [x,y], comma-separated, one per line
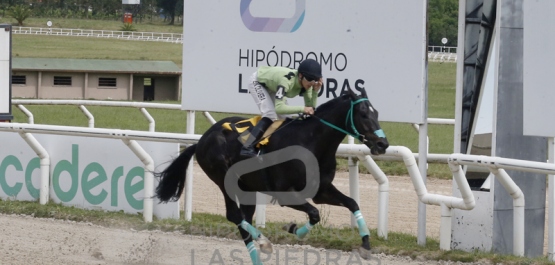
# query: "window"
[19,79]
[107,82]
[62,80]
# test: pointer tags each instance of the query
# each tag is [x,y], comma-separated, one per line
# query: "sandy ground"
[27,240]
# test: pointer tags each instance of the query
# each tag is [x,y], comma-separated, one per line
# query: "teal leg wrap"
[255,258]
[303,231]
[362,227]
[249,228]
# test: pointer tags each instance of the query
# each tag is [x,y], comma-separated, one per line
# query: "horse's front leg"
[263,242]
[333,196]
[313,219]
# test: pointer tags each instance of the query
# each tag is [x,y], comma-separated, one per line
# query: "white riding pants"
[263,99]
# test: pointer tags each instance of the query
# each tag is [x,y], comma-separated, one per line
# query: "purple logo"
[267,24]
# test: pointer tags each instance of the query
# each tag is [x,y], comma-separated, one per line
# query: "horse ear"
[352,94]
[363,93]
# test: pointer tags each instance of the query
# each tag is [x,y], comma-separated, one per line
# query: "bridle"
[349,119]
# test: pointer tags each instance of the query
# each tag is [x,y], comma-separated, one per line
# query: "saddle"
[246,125]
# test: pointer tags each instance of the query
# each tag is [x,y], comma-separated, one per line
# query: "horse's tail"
[172,179]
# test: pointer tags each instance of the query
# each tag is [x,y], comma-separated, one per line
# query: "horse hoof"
[365,253]
[265,245]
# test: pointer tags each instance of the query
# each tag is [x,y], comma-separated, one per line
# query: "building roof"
[90,65]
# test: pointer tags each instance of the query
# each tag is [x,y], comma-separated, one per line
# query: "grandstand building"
[46,78]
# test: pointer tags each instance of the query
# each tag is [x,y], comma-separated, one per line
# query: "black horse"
[297,164]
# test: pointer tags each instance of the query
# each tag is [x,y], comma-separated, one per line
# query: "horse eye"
[371,109]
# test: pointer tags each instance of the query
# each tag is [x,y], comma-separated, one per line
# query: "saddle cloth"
[246,125]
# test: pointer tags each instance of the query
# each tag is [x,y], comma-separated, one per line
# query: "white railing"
[447,203]
[442,49]
[82,103]
[442,57]
[442,54]
[124,35]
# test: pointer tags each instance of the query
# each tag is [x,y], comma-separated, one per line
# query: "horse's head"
[364,121]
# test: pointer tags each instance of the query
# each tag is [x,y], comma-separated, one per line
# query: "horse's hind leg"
[313,219]
[333,196]
[248,232]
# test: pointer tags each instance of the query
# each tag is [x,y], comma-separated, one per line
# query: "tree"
[169,7]
[20,13]
[443,21]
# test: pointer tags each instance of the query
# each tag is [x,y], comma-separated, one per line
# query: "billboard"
[370,44]
[5,72]
[93,173]
[538,71]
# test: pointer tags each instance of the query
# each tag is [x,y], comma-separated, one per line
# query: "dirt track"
[27,240]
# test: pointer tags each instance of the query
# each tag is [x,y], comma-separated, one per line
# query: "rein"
[349,117]
[300,117]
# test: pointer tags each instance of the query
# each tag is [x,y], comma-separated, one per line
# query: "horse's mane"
[330,105]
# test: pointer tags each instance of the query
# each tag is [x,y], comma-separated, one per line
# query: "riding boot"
[247,151]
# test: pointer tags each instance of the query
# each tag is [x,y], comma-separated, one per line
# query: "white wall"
[5,70]
[93,173]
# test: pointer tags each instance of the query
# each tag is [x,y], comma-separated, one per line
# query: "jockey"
[271,85]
